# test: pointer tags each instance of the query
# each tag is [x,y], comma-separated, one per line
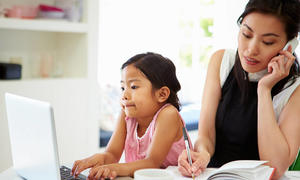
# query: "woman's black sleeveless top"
[236,124]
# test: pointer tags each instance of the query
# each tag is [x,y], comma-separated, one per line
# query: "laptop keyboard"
[65,174]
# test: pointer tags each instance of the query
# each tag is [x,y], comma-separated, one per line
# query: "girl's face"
[138,98]
[261,37]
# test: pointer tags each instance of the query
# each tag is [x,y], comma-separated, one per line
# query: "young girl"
[149,128]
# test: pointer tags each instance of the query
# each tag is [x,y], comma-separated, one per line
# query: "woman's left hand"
[103,172]
[278,68]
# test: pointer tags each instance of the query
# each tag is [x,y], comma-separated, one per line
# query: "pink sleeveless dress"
[136,147]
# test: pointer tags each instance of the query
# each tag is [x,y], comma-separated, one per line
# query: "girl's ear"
[163,94]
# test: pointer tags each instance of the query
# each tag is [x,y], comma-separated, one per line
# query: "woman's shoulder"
[217,56]
[219,52]
[222,56]
[216,63]
[282,98]
[216,59]
[225,64]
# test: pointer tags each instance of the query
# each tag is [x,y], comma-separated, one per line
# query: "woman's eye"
[122,88]
[247,36]
[268,43]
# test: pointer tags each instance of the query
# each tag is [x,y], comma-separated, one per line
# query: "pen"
[187,146]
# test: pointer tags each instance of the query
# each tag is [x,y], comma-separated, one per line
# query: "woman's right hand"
[81,165]
[200,161]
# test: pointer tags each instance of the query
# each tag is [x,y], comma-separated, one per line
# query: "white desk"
[10,174]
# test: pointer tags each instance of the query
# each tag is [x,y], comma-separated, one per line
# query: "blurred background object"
[72,8]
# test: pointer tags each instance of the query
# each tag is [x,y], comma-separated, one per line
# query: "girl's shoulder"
[168,114]
[169,109]
[170,120]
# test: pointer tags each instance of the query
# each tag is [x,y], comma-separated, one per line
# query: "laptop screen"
[32,138]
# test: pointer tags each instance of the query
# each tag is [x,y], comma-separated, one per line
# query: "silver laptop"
[33,139]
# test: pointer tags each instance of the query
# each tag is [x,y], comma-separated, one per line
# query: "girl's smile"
[129,105]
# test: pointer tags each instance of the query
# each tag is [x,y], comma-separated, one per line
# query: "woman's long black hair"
[288,11]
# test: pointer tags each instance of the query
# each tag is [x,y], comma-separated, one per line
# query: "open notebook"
[235,170]
[33,139]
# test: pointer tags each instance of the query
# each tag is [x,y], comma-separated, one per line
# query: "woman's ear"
[163,94]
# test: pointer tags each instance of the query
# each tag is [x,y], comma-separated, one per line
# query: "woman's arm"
[278,144]
[210,100]
[112,153]
[205,144]
[168,129]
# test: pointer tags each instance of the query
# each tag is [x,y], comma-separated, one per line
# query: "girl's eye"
[122,88]
[247,36]
[134,87]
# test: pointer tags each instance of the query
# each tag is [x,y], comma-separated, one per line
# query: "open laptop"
[33,139]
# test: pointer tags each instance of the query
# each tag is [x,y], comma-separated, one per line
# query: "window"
[187,32]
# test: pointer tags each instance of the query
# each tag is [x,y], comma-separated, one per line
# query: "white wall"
[226,28]
[5,157]
[73,103]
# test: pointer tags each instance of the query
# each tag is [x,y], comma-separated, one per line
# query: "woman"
[251,99]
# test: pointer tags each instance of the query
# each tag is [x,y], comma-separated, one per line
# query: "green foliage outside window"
[185,55]
[207,2]
[205,53]
[187,26]
[205,24]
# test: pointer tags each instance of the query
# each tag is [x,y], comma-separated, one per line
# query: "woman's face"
[261,37]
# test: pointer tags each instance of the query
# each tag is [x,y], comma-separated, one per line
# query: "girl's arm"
[112,153]
[278,144]
[168,129]
[116,144]
[205,144]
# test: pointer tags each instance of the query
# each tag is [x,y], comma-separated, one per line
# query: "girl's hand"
[103,172]
[200,161]
[278,68]
[81,165]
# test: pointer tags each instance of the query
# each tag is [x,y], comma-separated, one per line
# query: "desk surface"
[10,174]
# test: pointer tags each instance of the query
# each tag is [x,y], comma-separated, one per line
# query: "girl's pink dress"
[136,147]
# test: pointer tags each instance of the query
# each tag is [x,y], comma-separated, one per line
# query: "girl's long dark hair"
[288,11]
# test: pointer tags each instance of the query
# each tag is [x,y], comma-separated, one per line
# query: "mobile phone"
[294,43]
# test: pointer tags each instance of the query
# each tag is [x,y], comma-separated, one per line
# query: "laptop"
[33,140]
